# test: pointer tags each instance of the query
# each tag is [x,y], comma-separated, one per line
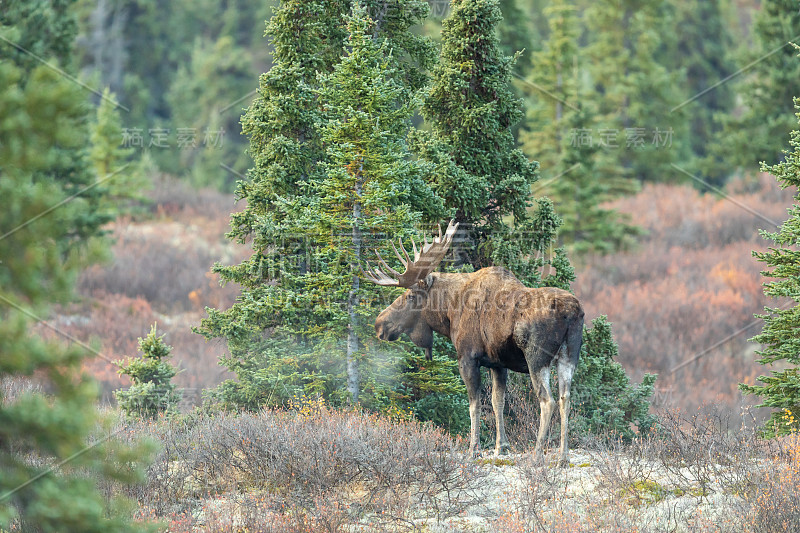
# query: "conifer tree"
[471,110]
[557,73]
[50,458]
[557,121]
[780,337]
[580,192]
[47,29]
[292,285]
[604,400]
[152,392]
[704,52]
[767,91]
[205,137]
[368,186]
[638,132]
[124,179]
[285,146]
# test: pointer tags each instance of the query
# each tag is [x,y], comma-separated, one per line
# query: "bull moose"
[493,321]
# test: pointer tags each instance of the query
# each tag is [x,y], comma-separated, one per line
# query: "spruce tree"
[50,457]
[554,134]
[152,392]
[124,180]
[294,285]
[368,185]
[557,73]
[767,89]
[780,337]
[605,402]
[471,110]
[704,52]
[286,148]
[515,32]
[205,137]
[638,132]
[47,29]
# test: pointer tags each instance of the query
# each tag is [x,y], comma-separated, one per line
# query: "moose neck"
[438,308]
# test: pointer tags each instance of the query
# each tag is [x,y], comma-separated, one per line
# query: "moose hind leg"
[566,368]
[499,380]
[541,385]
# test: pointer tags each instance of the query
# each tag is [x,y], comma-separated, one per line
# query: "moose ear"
[426,283]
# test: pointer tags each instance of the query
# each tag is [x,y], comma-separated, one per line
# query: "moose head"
[403,315]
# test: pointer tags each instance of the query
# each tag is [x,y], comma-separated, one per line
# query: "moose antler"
[425,261]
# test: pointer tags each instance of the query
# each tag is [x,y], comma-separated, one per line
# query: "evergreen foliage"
[515,33]
[50,456]
[47,29]
[604,401]
[640,128]
[368,185]
[152,392]
[780,337]
[767,91]
[557,121]
[207,134]
[703,51]
[286,147]
[556,73]
[477,168]
[114,164]
[333,178]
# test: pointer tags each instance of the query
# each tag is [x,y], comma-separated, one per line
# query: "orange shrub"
[682,304]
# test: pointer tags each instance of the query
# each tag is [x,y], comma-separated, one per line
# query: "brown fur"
[496,322]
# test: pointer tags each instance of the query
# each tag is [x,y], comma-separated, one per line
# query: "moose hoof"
[505,449]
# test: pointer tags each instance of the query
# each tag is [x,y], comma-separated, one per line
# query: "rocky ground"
[600,491]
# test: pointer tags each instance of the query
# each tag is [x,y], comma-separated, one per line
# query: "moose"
[494,321]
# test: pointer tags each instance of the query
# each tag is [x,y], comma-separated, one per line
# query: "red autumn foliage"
[682,303]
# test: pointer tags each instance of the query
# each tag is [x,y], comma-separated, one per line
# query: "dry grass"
[310,470]
[316,469]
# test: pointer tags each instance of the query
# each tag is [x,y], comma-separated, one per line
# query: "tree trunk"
[353,376]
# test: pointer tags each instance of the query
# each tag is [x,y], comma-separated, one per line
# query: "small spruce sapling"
[152,392]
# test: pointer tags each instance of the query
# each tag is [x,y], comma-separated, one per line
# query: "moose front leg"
[499,380]
[470,373]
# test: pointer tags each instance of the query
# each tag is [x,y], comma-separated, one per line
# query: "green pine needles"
[152,392]
[780,337]
[605,401]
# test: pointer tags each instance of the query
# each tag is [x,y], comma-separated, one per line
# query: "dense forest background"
[648,119]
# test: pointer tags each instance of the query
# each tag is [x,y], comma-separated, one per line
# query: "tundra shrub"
[389,469]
